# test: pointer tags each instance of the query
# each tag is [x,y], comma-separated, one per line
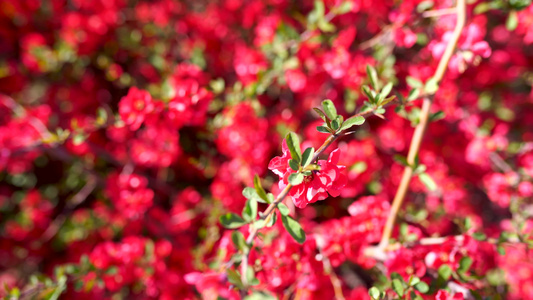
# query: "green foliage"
[293,143]
[293,228]
[231,221]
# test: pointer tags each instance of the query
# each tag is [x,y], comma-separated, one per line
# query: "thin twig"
[267,214]
[74,202]
[328,269]
[439,12]
[420,128]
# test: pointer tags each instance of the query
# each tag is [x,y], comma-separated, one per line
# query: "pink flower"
[329,179]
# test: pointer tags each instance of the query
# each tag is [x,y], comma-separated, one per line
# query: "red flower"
[329,179]
[134,107]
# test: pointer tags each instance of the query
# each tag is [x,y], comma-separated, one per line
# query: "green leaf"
[294,165]
[238,240]
[249,212]
[413,94]
[437,116]
[250,274]
[320,113]
[231,221]
[427,181]
[373,76]
[250,193]
[259,189]
[386,90]
[320,9]
[344,8]
[270,198]
[335,124]
[413,280]
[366,90]
[374,293]
[293,227]
[500,249]
[414,82]
[512,21]
[283,209]
[323,129]
[293,143]
[479,236]
[353,121]
[296,179]
[234,278]
[329,109]
[260,295]
[325,26]
[432,86]
[422,287]
[273,220]
[397,286]
[401,159]
[464,264]
[307,156]
[445,272]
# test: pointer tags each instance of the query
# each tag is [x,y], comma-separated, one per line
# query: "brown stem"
[420,128]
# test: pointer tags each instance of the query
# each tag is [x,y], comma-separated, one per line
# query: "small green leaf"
[307,156]
[386,90]
[329,109]
[366,90]
[335,124]
[293,227]
[422,287]
[273,220]
[234,278]
[260,295]
[323,129]
[397,286]
[296,179]
[415,83]
[353,121]
[250,274]
[320,8]
[464,264]
[445,272]
[231,221]
[259,188]
[293,143]
[249,212]
[238,239]
[401,159]
[320,113]
[437,116]
[374,293]
[468,223]
[500,249]
[294,165]
[283,209]
[427,181]
[413,94]
[250,193]
[345,7]
[432,86]
[512,21]
[373,76]
[479,236]
[325,26]
[413,280]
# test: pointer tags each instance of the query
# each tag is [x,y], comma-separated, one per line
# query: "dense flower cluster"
[329,179]
[130,129]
